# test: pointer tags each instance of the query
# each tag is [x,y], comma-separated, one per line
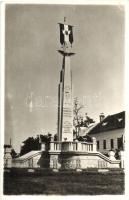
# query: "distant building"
[109,132]
[7,156]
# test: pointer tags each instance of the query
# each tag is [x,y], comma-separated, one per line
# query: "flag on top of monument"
[66,34]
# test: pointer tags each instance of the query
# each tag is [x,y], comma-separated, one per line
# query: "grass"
[64,183]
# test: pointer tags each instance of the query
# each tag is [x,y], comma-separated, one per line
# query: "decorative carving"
[71,164]
[78,164]
[55,163]
[102,164]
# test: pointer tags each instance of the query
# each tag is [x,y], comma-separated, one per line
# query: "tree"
[31,143]
[76,108]
[88,120]
[13,153]
[55,137]
[27,146]
[78,120]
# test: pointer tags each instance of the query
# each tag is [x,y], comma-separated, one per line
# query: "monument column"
[65,100]
[67,113]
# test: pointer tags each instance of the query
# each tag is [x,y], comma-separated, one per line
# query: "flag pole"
[64,49]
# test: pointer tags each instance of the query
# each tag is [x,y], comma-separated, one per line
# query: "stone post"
[43,147]
[51,146]
[78,165]
[54,163]
[51,163]
[71,146]
[112,155]
[121,154]
[94,143]
[79,146]
[52,139]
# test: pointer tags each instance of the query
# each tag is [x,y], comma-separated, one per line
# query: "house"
[7,156]
[109,132]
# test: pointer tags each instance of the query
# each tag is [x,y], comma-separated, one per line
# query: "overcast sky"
[32,64]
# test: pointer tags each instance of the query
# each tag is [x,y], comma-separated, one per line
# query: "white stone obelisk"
[65,100]
[65,105]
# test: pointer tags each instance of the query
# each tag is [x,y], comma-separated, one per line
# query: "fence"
[73,146]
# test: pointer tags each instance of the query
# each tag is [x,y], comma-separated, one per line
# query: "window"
[119,143]
[104,144]
[97,144]
[112,143]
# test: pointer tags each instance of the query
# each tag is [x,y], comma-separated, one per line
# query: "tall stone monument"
[66,153]
[65,100]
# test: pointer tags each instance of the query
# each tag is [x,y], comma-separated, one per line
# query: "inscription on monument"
[67,127]
[67,90]
[67,112]
[65,117]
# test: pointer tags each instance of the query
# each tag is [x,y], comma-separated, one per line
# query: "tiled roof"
[111,122]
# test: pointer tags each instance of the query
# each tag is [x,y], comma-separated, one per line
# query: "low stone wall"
[35,160]
[65,160]
[82,161]
[30,160]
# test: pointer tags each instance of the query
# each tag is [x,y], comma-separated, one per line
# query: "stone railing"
[73,146]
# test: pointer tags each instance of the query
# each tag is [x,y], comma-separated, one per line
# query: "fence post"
[112,155]
[121,154]
[94,143]
[78,165]
[43,146]
[79,146]
[51,146]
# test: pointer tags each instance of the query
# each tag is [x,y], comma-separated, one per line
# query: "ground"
[64,183]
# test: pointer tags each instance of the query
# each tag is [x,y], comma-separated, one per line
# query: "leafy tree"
[76,109]
[55,137]
[31,143]
[27,146]
[13,153]
[84,138]
[78,120]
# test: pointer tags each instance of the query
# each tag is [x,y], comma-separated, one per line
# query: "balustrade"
[72,146]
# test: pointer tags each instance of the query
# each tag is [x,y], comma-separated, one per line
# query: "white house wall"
[113,134]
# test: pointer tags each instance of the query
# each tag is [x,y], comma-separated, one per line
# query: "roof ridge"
[112,123]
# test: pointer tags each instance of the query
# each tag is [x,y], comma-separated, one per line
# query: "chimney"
[101,117]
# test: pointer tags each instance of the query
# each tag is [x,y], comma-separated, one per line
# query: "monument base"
[68,156]
[78,156]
